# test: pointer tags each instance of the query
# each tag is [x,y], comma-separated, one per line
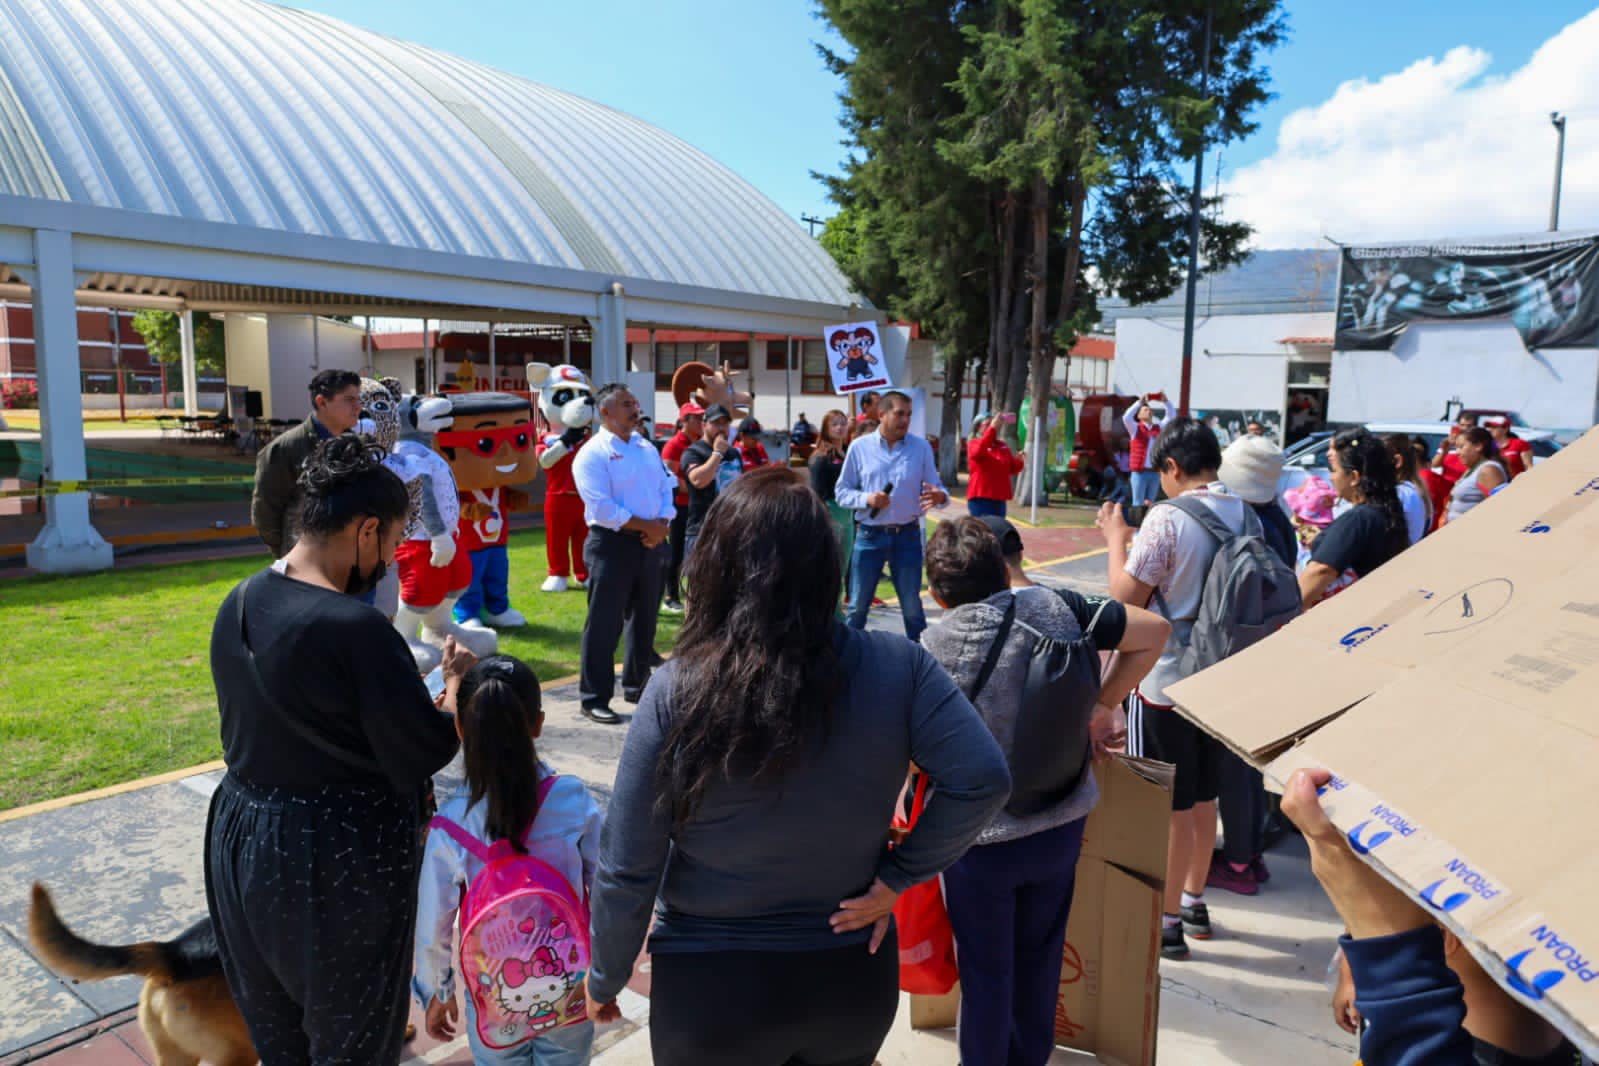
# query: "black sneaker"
[1172,944]
[1196,921]
[602,714]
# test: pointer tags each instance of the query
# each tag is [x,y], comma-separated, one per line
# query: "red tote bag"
[926,941]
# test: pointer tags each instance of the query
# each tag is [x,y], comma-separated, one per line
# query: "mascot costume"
[432,572]
[566,400]
[490,448]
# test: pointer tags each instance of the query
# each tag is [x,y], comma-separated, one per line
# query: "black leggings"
[773,1008]
[314,900]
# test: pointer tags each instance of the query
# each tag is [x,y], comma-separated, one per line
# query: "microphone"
[889,489]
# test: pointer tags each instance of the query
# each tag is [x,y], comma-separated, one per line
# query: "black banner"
[1548,291]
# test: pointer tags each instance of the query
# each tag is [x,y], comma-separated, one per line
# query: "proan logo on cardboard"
[1358,636]
[1551,946]
[1476,884]
[1365,838]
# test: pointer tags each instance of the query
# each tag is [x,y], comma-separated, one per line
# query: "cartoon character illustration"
[534,987]
[854,350]
[489,448]
[431,572]
[566,400]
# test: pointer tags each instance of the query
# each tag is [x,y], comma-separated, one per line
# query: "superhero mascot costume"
[490,448]
[566,400]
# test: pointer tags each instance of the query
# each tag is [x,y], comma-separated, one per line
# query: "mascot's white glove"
[443,551]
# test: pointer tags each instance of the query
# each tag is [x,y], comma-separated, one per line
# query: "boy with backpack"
[1199,559]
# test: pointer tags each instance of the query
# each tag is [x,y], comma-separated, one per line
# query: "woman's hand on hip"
[875,909]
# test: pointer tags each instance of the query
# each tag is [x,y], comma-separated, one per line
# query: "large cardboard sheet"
[1453,694]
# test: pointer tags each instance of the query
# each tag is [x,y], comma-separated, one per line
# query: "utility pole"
[1194,206]
[812,221]
[1557,120]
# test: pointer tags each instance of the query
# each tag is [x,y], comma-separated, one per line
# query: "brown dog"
[185,1009]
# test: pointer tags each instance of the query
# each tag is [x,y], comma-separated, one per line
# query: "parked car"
[1309,459]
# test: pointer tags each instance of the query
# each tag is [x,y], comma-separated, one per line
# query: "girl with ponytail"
[500,718]
[1373,529]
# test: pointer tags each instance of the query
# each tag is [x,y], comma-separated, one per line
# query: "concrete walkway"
[127,867]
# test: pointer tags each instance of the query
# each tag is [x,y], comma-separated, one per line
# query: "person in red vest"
[1515,452]
[992,465]
[1142,429]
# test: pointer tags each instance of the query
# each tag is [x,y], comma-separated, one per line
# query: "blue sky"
[741,80]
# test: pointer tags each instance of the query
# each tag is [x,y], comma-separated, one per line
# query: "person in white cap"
[1250,468]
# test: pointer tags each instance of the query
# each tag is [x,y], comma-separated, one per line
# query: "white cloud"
[1437,149]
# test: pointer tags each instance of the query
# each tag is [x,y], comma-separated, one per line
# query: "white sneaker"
[579,583]
[509,618]
[554,584]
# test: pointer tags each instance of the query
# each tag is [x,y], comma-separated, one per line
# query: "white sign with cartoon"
[855,358]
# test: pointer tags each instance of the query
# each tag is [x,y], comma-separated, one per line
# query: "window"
[736,354]
[668,357]
[814,378]
[776,353]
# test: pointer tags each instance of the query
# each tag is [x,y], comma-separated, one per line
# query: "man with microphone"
[627,500]
[890,479]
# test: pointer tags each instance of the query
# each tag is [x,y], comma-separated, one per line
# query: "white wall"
[297,356]
[1238,360]
[1483,363]
[249,363]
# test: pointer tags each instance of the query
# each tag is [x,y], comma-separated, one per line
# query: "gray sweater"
[960,642]
[762,868]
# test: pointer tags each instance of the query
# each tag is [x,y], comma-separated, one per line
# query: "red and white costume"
[564,528]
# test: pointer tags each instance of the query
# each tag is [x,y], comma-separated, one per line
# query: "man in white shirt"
[627,501]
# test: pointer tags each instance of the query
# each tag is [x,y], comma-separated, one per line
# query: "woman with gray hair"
[1010,895]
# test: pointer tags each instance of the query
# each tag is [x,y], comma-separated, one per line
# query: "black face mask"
[359,584]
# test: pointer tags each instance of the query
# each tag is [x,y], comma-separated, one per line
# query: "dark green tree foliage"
[1011,158]
[163,338]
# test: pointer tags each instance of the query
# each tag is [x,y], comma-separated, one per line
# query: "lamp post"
[1558,121]
[1195,203]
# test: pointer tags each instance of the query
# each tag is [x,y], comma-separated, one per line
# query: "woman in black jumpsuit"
[330,737]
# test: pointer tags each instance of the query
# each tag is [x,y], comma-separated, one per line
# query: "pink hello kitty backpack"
[524,941]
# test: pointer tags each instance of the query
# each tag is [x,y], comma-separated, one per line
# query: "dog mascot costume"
[490,448]
[566,400]
[432,572]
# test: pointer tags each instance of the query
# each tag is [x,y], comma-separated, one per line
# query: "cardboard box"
[1452,692]
[1109,1001]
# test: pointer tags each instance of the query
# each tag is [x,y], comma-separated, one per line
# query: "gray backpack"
[1249,592]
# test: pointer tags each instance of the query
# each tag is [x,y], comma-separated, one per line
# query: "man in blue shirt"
[890,479]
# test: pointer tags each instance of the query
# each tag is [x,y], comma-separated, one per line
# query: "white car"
[1312,461]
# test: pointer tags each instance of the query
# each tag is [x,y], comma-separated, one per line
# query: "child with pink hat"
[1311,504]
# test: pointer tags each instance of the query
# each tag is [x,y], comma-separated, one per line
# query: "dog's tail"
[70,954]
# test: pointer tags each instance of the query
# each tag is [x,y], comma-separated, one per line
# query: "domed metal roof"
[250,114]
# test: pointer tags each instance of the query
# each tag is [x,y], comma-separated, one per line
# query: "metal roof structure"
[247,121]
[1279,281]
[234,155]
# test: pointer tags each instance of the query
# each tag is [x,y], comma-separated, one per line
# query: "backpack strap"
[471,843]
[297,725]
[993,650]
[478,849]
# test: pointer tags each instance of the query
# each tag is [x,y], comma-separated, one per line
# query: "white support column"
[191,373]
[494,364]
[68,543]
[610,337]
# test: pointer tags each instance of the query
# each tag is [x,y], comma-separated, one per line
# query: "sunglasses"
[485,442]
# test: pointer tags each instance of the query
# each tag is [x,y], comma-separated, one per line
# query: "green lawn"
[93,421]
[105,677]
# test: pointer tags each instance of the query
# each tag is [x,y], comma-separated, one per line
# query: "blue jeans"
[1146,487]
[981,508]
[1008,904]
[490,588]
[902,551]
[571,1046]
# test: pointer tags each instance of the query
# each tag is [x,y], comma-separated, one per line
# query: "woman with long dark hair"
[1370,532]
[329,735]
[754,796]
[1414,495]
[1479,454]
